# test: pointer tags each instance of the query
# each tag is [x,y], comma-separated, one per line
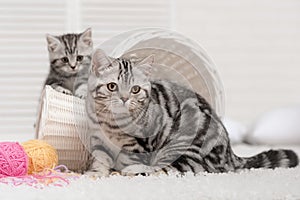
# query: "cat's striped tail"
[271,159]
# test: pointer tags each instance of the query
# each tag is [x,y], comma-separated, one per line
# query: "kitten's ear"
[146,65]
[53,42]
[86,37]
[100,61]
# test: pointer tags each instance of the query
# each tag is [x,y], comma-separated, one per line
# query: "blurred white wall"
[255,45]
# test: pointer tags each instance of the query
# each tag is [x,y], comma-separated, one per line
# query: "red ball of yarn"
[13,159]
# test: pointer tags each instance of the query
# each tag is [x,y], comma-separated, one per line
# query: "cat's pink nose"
[124,99]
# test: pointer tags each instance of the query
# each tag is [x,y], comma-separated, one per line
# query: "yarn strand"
[48,177]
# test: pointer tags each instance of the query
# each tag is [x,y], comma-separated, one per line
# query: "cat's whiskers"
[102,110]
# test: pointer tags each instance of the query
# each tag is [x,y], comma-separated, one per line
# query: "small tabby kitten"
[143,126]
[70,58]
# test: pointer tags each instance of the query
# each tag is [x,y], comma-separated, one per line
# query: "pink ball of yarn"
[13,159]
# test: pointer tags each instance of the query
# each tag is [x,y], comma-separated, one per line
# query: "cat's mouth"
[73,70]
[120,109]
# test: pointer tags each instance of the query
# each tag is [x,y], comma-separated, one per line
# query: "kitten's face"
[121,86]
[70,53]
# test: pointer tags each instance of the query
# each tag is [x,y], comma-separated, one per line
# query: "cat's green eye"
[135,89]
[65,59]
[79,58]
[112,87]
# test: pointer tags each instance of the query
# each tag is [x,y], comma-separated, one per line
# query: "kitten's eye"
[135,89]
[112,87]
[79,58]
[65,59]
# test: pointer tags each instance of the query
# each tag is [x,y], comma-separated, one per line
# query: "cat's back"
[173,90]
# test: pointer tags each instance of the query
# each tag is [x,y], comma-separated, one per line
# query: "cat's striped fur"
[70,59]
[164,126]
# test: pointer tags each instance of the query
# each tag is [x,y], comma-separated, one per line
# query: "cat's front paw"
[81,96]
[63,90]
[81,92]
[139,169]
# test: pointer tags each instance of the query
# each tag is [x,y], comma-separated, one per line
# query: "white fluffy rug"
[250,184]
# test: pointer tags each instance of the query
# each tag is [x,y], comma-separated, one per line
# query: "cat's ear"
[100,61]
[146,65]
[86,37]
[53,42]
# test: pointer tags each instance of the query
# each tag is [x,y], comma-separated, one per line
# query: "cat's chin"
[68,73]
[72,72]
[120,110]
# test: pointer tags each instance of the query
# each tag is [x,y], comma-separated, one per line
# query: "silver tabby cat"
[70,59]
[139,125]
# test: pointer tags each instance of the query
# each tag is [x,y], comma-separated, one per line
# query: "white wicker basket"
[62,123]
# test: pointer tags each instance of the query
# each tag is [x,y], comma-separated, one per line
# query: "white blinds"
[23,53]
[23,60]
[110,17]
